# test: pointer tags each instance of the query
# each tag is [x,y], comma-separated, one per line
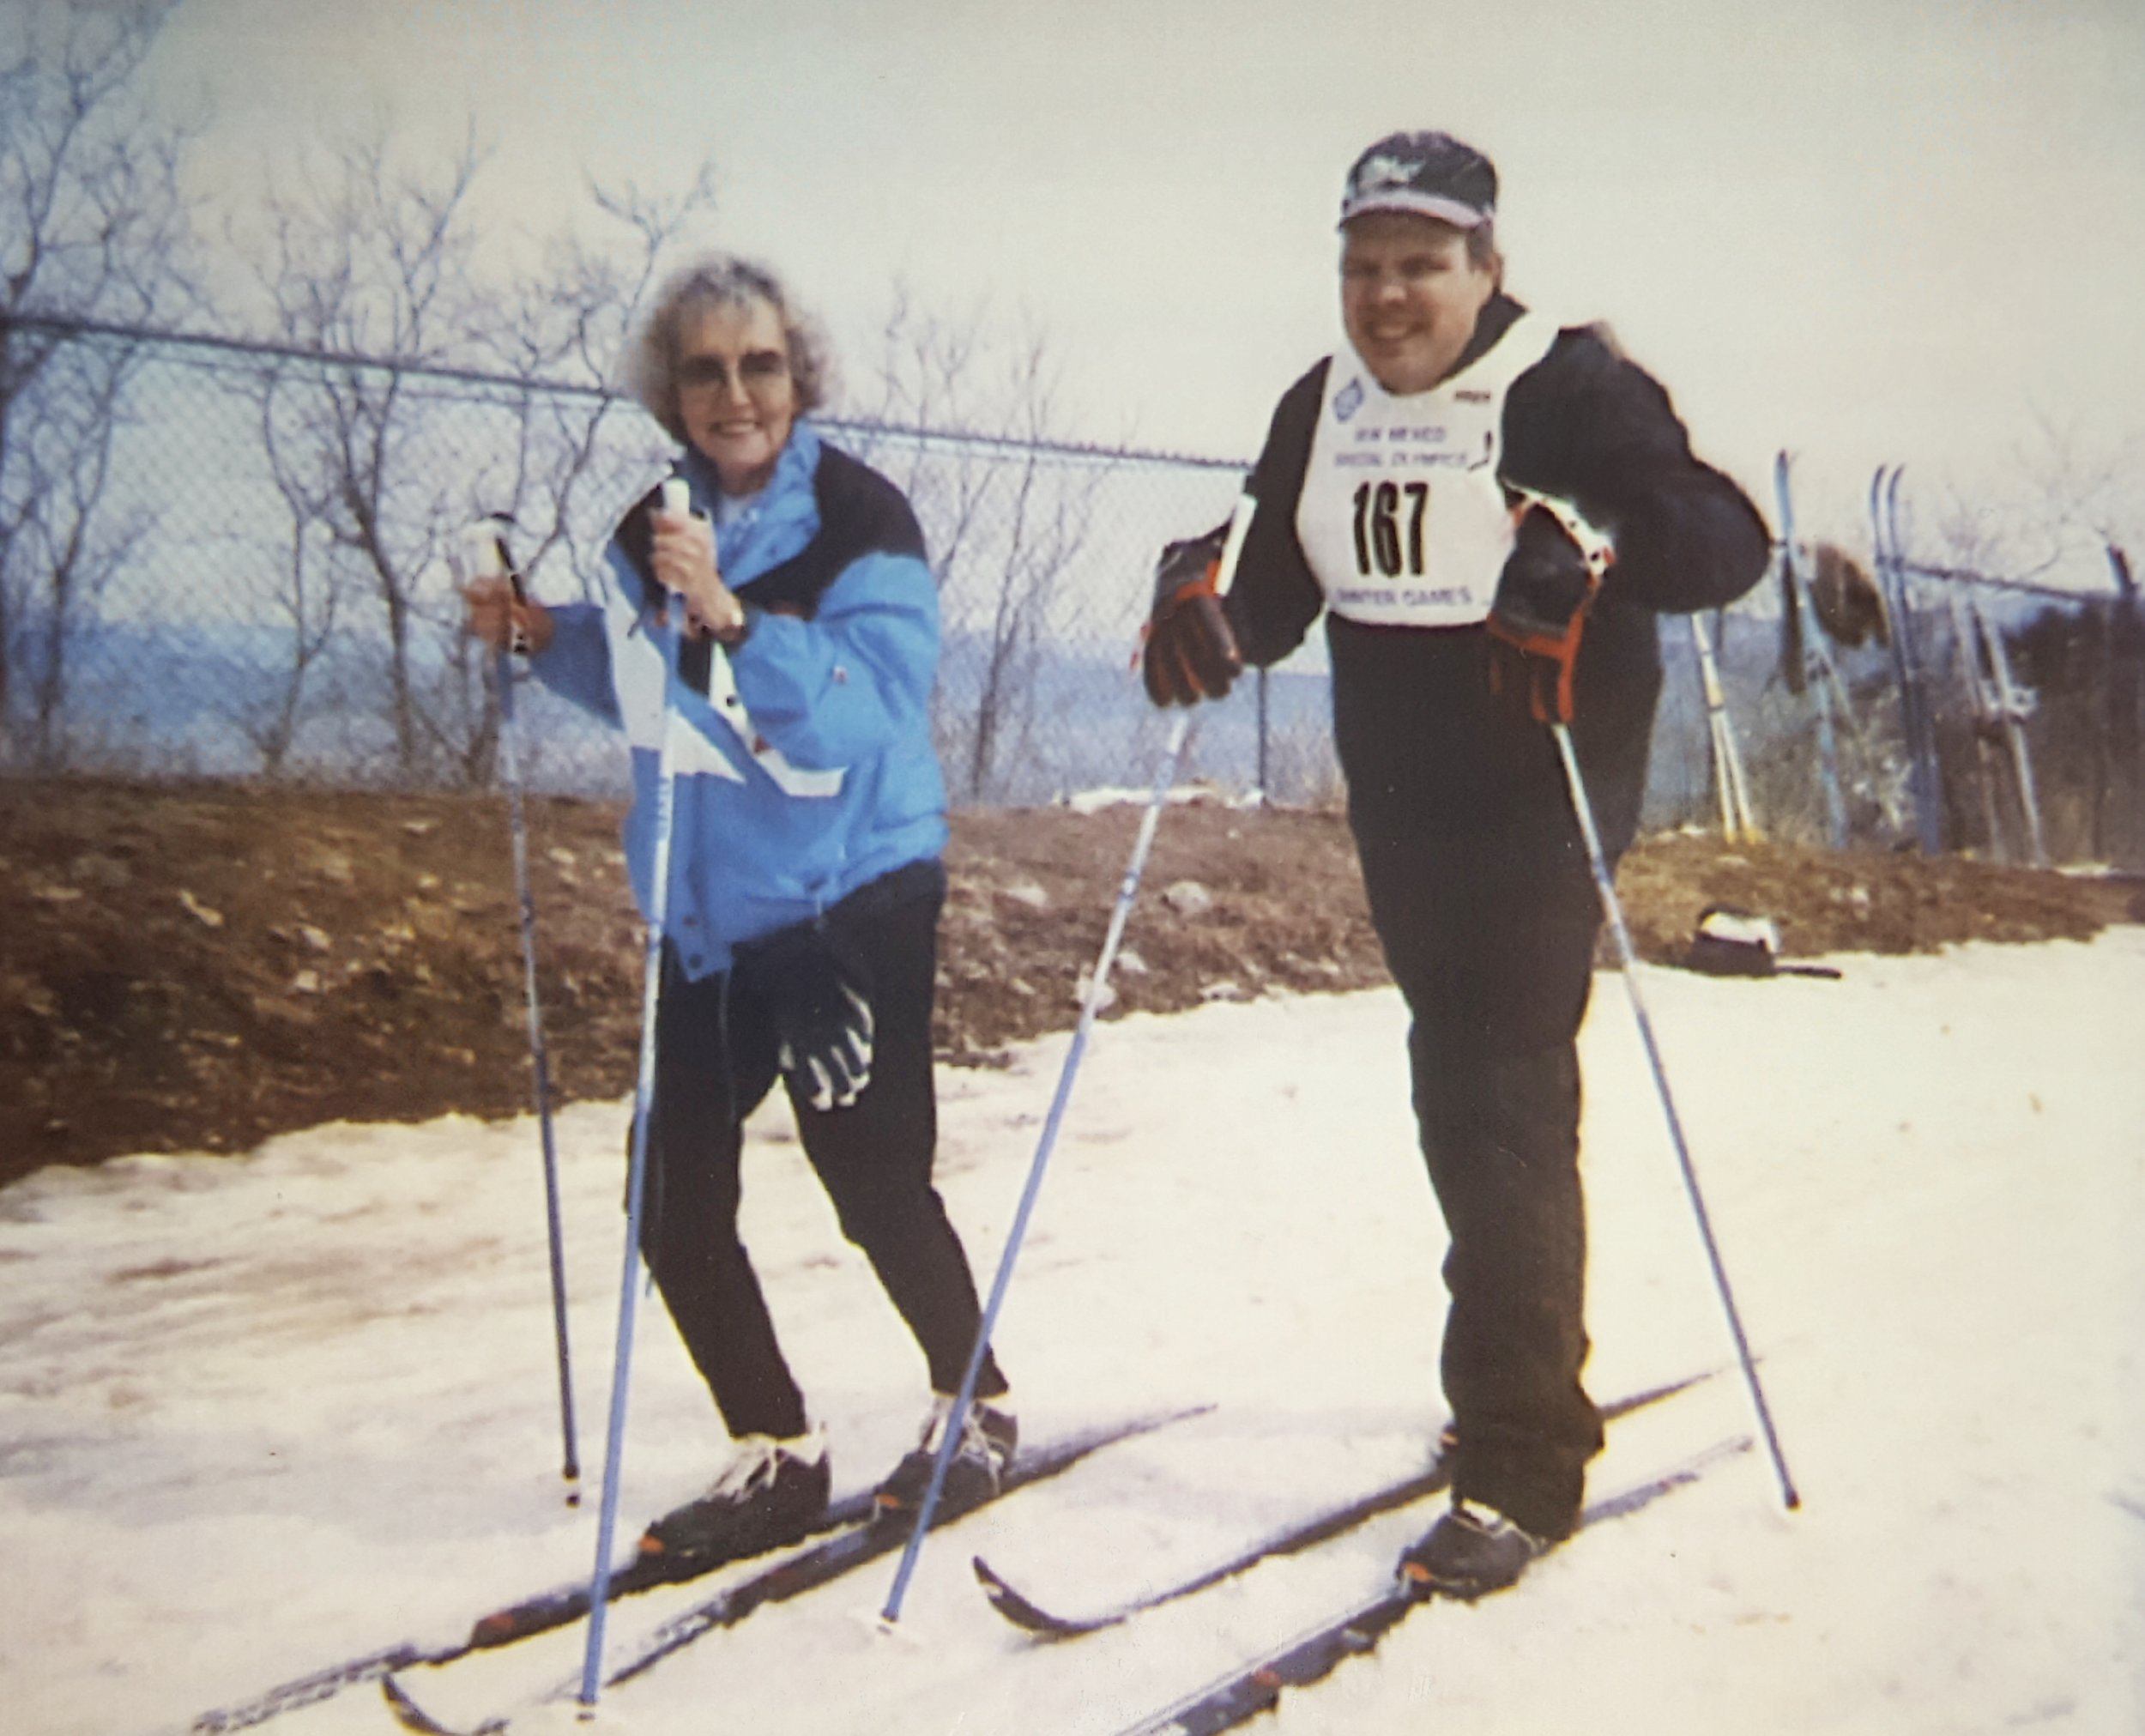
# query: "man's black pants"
[715,1061]
[1490,937]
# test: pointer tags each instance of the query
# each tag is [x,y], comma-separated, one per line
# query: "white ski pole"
[1737,825]
[2014,704]
[1612,907]
[1232,549]
[486,556]
[676,498]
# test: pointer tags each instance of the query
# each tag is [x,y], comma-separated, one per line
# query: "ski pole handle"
[481,557]
[1233,544]
[484,555]
[677,499]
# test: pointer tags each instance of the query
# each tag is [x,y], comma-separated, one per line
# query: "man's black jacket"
[1425,747]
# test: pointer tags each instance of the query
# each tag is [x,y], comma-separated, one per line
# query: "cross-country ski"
[1022,1612]
[1309,1657]
[869,1538]
[858,1532]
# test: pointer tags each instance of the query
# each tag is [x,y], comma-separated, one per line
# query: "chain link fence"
[1986,715]
[246,572]
[233,560]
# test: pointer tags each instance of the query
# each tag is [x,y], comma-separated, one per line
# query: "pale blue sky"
[1868,230]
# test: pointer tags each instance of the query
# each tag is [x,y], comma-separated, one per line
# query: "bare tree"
[567,461]
[1004,516]
[567,324]
[429,389]
[368,259]
[93,230]
[307,597]
[2083,487]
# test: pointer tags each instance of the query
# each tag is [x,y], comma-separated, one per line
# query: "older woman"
[1443,487]
[789,622]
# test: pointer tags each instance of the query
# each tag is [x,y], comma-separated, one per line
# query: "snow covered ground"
[258,1416]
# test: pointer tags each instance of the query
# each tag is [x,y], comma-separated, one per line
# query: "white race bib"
[1402,515]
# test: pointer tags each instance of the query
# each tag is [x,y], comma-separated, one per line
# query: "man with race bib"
[1489,507]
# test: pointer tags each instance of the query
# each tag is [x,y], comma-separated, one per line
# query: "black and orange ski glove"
[1538,617]
[1187,652]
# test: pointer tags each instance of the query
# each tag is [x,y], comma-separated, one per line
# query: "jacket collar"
[788,514]
[1495,319]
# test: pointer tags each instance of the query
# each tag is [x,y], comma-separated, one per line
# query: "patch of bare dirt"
[198,967]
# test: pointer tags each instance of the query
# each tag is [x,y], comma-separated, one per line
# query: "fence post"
[2126,698]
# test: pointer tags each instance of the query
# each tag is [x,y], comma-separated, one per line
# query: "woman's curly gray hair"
[720,279]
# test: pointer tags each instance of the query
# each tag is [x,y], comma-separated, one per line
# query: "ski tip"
[414,1717]
[1656,1395]
[1021,1611]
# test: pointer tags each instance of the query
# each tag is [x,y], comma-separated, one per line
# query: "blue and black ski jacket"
[803,757]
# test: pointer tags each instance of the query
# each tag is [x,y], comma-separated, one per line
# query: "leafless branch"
[93,223]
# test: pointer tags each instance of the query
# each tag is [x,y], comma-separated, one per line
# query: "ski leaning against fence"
[1917,724]
[1738,825]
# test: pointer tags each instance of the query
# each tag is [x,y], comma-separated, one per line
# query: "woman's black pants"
[716,1060]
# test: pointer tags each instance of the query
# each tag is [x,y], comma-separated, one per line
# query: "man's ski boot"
[988,1435]
[1470,1552]
[772,1493]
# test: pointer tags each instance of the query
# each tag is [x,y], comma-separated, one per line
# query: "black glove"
[1539,614]
[1188,653]
[822,1013]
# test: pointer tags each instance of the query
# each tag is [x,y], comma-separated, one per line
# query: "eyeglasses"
[757,370]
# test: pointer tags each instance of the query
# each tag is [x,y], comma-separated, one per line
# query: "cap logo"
[1385,172]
